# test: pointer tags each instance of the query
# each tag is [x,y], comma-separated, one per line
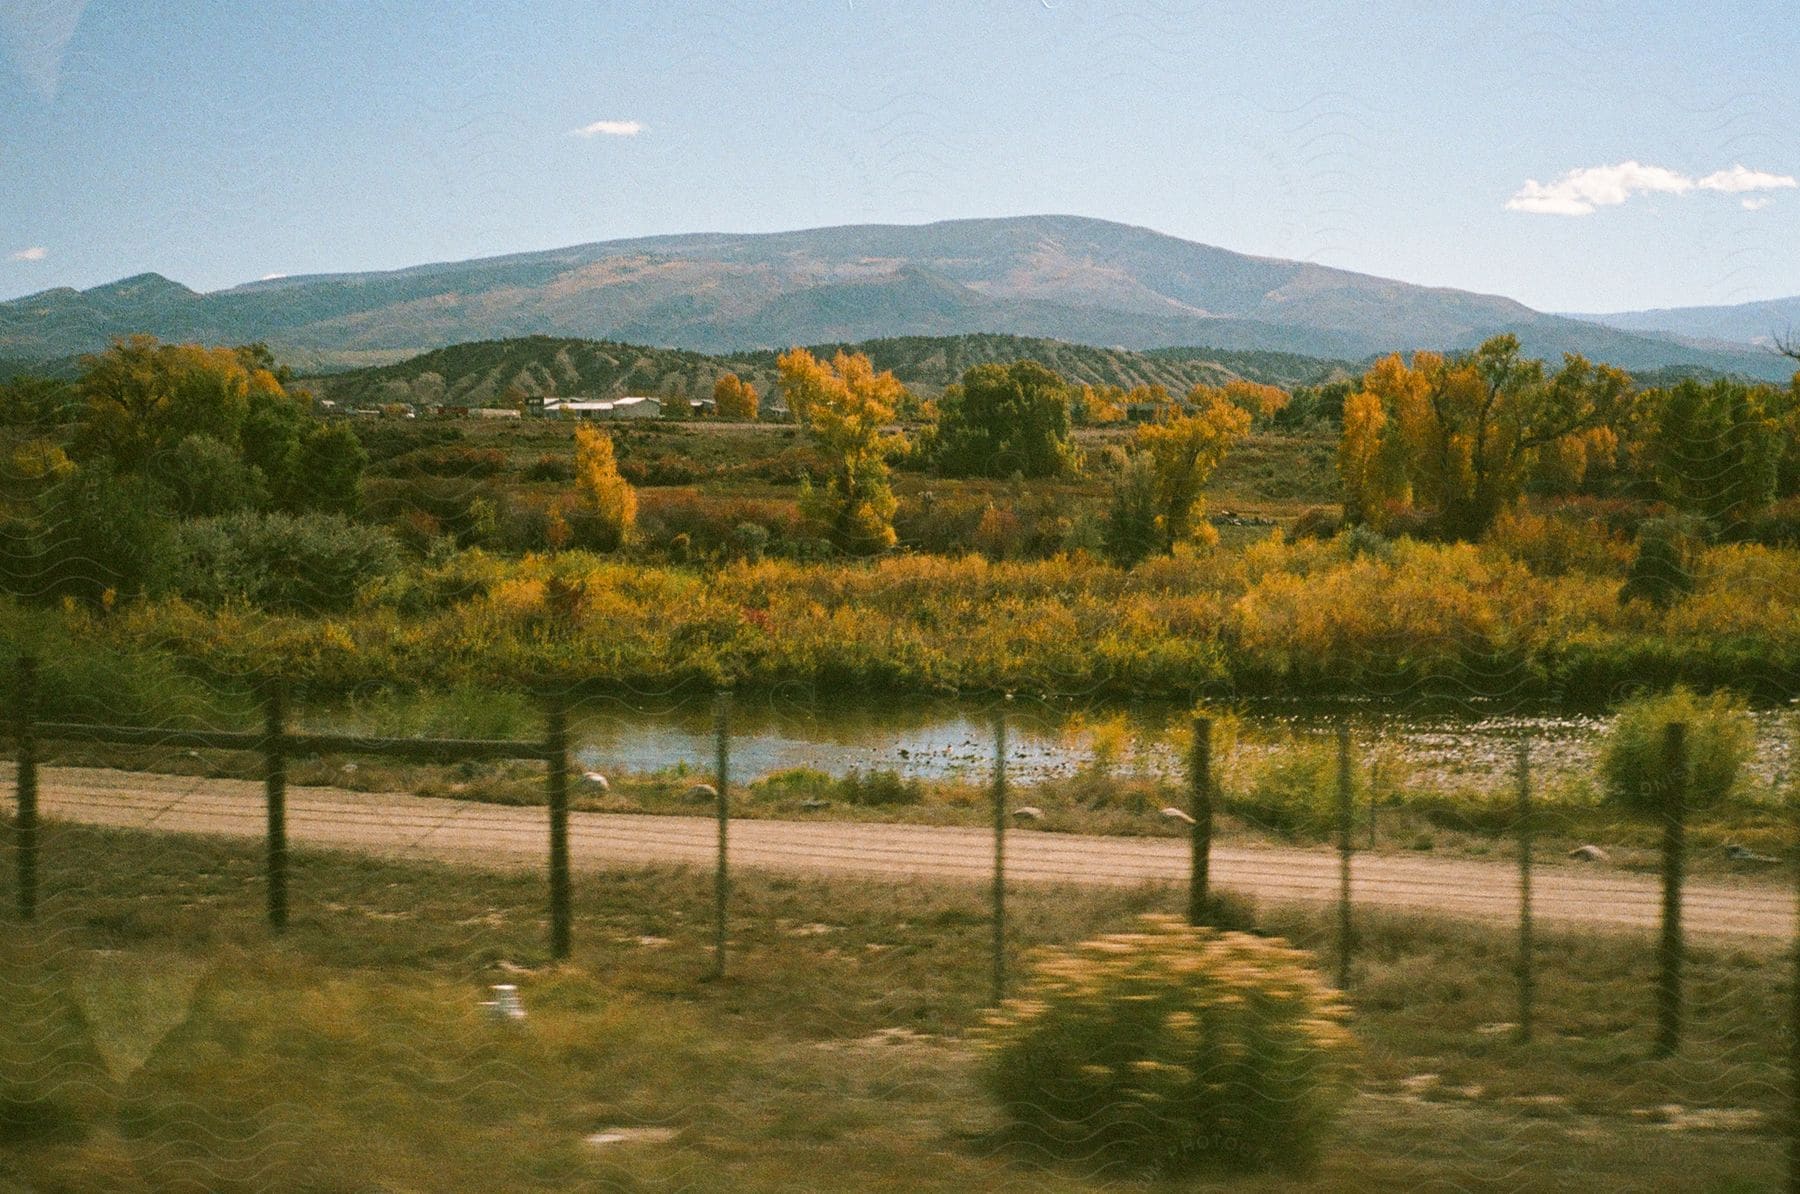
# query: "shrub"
[94,532]
[749,540]
[879,788]
[1720,736]
[550,467]
[1294,792]
[1317,522]
[1662,572]
[1177,1045]
[1558,545]
[794,783]
[308,563]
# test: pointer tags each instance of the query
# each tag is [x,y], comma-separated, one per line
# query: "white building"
[632,406]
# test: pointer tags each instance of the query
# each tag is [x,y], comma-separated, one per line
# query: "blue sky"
[217,143]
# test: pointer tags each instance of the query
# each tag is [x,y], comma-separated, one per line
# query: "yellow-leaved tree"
[846,407]
[1459,435]
[605,503]
[734,398]
[1157,502]
[1262,401]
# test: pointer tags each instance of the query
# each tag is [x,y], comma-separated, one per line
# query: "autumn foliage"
[605,501]
[845,407]
[734,398]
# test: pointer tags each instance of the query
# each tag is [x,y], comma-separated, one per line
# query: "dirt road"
[400,825]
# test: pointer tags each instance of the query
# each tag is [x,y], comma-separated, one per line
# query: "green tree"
[41,404]
[99,532]
[1715,449]
[272,430]
[328,469]
[204,477]
[142,397]
[1130,535]
[1004,419]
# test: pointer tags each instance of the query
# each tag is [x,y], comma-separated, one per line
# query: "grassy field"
[154,1037]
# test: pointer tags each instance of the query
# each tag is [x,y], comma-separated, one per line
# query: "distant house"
[494,412]
[631,406]
[636,406]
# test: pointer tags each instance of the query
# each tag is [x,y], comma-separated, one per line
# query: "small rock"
[1739,853]
[630,1136]
[814,804]
[349,768]
[1589,853]
[700,792]
[1028,813]
[1711,1119]
[593,781]
[1174,814]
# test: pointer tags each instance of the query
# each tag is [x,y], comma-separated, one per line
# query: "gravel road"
[401,825]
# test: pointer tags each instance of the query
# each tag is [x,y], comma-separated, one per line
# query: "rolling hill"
[1068,278]
[1758,324]
[479,373]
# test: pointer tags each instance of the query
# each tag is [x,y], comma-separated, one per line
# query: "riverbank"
[1402,621]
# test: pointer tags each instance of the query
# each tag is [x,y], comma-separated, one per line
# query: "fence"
[276,743]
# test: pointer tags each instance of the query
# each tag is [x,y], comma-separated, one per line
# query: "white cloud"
[34,253]
[1581,192]
[609,128]
[1758,203]
[1737,180]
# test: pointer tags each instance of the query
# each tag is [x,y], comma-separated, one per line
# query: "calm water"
[955,738]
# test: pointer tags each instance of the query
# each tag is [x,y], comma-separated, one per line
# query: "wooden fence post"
[1669,949]
[25,816]
[1793,1149]
[275,790]
[1000,856]
[1346,812]
[722,877]
[556,790]
[1201,809]
[1527,979]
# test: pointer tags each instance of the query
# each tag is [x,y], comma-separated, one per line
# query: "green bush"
[1294,792]
[1175,1045]
[309,563]
[1720,737]
[794,783]
[879,788]
[1662,571]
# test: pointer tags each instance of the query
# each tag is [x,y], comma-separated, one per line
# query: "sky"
[1579,156]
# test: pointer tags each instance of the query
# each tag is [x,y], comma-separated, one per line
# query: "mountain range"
[1068,278]
[1764,324]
